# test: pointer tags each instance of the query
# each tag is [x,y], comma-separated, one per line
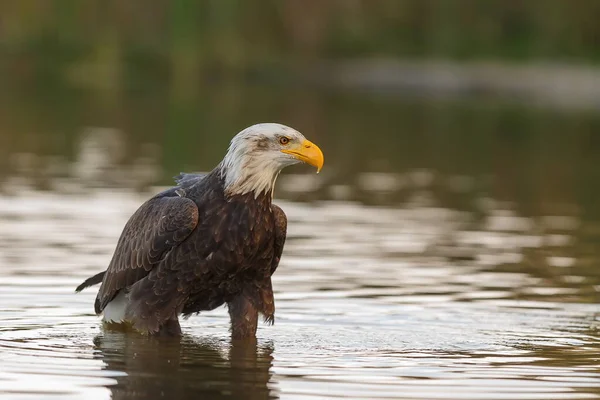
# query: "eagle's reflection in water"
[186,367]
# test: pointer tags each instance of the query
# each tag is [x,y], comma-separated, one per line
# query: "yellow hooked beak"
[307,152]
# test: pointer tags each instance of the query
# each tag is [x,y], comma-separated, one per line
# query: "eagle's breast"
[234,237]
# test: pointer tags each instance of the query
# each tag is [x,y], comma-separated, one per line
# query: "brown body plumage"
[189,249]
[195,247]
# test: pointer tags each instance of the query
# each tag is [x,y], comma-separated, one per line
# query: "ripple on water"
[371,303]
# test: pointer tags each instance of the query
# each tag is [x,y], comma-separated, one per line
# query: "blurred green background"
[484,99]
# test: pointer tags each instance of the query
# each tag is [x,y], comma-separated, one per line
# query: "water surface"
[450,248]
[372,302]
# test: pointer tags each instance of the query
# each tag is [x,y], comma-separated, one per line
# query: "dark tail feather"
[94,280]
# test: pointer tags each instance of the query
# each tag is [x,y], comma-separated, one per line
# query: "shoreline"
[549,84]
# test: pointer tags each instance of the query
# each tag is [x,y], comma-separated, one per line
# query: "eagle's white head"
[257,155]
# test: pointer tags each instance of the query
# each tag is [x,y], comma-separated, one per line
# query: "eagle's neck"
[242,174]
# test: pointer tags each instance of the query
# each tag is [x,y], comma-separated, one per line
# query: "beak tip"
[309,153]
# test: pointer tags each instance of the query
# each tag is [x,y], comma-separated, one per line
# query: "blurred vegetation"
[108,43]
[169,74]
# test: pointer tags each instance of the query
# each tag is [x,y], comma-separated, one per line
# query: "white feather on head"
[254,158]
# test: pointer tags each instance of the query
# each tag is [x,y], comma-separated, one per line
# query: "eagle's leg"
[267,302]
[170,328]
[244,317]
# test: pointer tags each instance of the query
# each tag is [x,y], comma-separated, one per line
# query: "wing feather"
[280,235]
[152,231]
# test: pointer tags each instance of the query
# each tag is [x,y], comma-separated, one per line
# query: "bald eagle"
[210,240]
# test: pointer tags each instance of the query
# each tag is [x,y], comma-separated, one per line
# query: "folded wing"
[157,227]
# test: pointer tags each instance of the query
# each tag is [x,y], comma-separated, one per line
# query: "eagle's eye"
[284,140]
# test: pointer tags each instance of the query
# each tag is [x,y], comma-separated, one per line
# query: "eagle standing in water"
[212,239]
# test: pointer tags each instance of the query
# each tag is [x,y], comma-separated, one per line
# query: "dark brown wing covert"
[280,235]
[153,230]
